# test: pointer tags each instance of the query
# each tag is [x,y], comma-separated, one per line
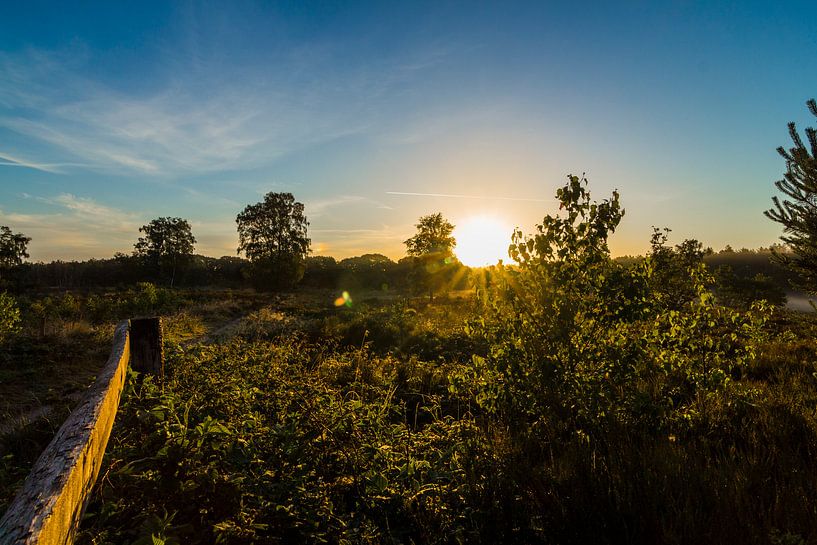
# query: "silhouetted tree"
[798,212]
[432,249]
[433,237]
[168,244]
[367,271]
[273,236]
[13,248]
[322,271]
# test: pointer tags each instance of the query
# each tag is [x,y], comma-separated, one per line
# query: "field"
[331,272]
[309,423]
[568,398]
[65,341]
[305,422]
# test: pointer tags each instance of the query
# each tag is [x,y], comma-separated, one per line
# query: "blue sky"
[111,115]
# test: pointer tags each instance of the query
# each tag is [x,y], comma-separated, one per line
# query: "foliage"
[168,243]
[276,273]
[312,423]
[367,270]
[55,314]
[9,317]
[573,399]
[288,438]
[741,292]
[674,270]
[581,342]
[12,248]
[753,262]
[126,270]
[321,271]
[798,212]
[257,442]
[272,234]
[433,236]
[434,333]
[433,264]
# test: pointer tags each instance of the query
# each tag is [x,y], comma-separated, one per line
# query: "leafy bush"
[581,341]
[247,444]
[9,317]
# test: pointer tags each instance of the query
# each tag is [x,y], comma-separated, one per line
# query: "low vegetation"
[567,398]
[570,398]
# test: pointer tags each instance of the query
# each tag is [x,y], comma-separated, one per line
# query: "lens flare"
[344,300]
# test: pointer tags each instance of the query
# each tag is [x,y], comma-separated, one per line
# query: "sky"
[375,113]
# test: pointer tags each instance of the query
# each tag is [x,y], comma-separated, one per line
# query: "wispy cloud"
[455,196]
[75,227]
[202,121]
[7,160]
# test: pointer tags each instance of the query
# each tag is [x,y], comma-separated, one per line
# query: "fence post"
[147,353]
[48,508]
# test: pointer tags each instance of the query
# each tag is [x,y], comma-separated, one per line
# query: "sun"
[482,241]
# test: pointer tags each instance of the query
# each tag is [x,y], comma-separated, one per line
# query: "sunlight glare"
[482,241]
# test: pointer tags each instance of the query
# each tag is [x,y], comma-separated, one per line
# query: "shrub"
[9,317]
[582,342]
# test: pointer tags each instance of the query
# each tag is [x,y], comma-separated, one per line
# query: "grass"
[303,422]
[42,378]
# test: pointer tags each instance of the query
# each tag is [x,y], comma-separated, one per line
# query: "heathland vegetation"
[566,397]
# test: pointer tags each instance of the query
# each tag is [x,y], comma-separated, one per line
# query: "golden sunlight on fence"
[48,508]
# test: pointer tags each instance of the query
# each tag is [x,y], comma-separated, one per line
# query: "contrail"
[11,161]
[454,196]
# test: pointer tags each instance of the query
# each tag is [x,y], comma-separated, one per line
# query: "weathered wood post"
[147,354]
[49,507]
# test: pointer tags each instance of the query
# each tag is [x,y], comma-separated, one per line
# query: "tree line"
[273,237]
[273,249]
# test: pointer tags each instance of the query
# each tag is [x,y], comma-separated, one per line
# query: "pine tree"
[798,211]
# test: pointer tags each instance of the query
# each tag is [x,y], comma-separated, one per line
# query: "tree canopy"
[431,252]
[433,236]
[13,247]
[166,244]
[273,236]
[797,213]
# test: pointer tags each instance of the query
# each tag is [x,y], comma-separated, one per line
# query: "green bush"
[581,341]
[246,444]
[9,317]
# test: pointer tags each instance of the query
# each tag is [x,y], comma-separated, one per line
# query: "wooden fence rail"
[48,508]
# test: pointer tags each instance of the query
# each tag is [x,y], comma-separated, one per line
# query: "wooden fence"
[48,508]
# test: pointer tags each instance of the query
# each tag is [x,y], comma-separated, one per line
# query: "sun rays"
[482,241]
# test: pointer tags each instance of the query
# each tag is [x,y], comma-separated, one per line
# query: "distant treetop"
[433,236]
[13,247]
